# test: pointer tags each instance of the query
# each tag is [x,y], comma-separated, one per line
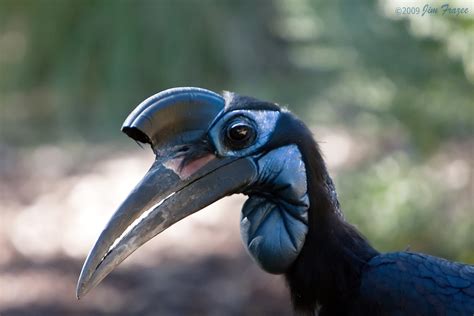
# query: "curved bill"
[179,198]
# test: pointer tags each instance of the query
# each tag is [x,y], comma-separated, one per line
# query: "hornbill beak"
[175,187]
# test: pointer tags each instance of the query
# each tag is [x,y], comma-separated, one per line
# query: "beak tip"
[79,292]
[81,289]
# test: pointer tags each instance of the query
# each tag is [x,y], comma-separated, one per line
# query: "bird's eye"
[240,134]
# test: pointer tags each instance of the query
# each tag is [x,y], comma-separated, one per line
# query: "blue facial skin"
[263,121]
[274,226]
[274,220]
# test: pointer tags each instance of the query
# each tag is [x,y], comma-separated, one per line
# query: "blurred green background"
[389,97]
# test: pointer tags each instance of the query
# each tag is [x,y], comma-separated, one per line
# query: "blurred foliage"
[72,70]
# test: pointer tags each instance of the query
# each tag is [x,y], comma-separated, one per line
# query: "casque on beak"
[173,188]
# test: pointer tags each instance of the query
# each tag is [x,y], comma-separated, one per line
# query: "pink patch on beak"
[189,169]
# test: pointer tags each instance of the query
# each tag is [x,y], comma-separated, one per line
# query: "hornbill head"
[207,147]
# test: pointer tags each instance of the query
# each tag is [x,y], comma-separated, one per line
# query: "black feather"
[339,273]
[328,270]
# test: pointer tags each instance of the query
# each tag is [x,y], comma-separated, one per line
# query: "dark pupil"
[239,132]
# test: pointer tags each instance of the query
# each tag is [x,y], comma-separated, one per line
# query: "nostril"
[182,150]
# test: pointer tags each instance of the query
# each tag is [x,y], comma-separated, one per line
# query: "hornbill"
[208,146]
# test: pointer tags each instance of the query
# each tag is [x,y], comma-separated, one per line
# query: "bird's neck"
[326,273]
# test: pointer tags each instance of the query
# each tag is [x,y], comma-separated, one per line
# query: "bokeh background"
[389,97]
